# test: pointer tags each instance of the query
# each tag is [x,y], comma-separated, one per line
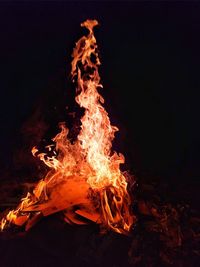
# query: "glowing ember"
[84,181]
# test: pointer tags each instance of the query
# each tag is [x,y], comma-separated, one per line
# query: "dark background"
[150,72]
[150,54]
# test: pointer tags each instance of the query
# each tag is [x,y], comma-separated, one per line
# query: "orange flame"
[87,165]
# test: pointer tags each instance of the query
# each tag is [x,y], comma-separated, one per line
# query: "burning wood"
[84,181]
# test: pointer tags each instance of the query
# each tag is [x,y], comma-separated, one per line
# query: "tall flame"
[88,162]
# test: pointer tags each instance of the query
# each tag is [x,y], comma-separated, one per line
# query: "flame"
[85,173]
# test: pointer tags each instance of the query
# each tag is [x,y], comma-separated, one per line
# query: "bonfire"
[84,180]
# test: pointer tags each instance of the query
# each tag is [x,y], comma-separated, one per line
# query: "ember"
[84,180]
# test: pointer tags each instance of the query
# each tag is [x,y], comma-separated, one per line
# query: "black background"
[150,72]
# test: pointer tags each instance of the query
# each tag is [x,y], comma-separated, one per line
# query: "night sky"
[150,54]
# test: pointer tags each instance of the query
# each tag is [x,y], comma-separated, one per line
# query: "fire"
[84,180]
